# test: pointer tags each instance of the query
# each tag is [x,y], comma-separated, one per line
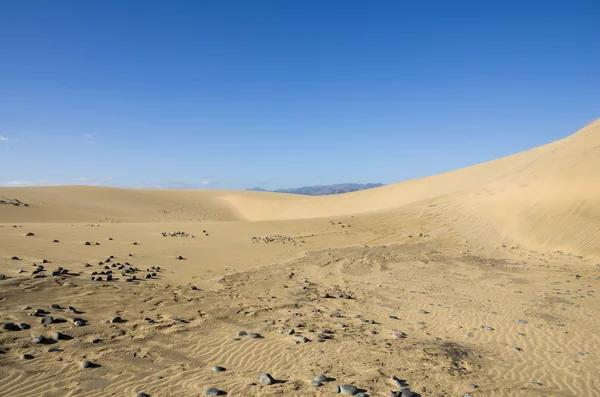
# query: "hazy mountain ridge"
[323,190]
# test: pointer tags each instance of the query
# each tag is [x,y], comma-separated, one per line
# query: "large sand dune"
[488,272]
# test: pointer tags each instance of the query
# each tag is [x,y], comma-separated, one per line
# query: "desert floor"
[482,282]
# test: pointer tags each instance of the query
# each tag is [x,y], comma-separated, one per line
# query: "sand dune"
[480,281]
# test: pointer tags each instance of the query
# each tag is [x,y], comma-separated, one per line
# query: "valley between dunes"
[480,281]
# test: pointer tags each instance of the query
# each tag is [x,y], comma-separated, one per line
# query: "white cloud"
[81,179]
[89,136]
[17,183]
[3,138]
[205,182]
[108,178]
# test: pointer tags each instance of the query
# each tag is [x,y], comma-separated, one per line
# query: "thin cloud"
[81,179]
[108,178]
[17,183]
[3,138]
[89,136]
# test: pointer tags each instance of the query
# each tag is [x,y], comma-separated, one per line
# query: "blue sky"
[278,94]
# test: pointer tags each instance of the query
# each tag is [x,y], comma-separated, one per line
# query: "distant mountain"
[323,190]
[257,189]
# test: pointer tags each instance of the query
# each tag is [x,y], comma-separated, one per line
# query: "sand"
[487,273]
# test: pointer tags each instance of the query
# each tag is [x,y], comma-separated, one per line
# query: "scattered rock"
[348,390]
[27,357]
[266,379]
[10,327]
[85,364]
[214,392]
[216,369]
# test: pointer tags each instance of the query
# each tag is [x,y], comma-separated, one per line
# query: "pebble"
[85,364]
[24,326]
[9,327]
[266,379]
[216,369]
[301,339]
[522,321]
[348,390]
[115,320]
[26,357]
[316,383]
[253,335]
[321,378]
[55,306]
[39,340]
[214,392]
[142,394]
[56,336]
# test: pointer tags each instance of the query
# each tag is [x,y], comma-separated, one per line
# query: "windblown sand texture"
[481,281]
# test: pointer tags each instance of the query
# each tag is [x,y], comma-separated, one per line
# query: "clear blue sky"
[236,94]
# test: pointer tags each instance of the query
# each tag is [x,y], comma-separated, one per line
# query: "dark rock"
[27,357]
[216,369]
[10,327]
[47,320]
[214,392]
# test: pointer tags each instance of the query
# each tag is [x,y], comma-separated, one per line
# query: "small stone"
[142,394]
[321,378]
[520,321]
[55,306]
[116,320]
[85,364]
[10,327]
[56,336]
[24,326]
[216,369]
[214,392]
[316,383]
[348,390]
[39,340]
[266,379]
[26,357]
[253,335]
[242,333]
[404,392]
[47,320]
[301,339]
